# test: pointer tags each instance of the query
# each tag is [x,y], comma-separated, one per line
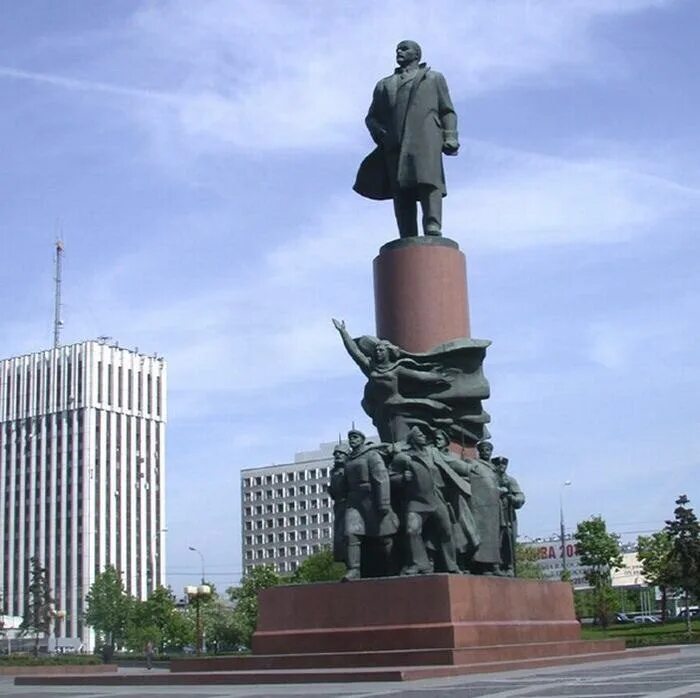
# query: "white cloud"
[274,75]
[519,200]
[86,85]
[514,200]
[283,76]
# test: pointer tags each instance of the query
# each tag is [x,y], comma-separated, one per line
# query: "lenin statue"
[412,121]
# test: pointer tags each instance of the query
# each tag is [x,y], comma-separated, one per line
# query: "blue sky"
[198,159]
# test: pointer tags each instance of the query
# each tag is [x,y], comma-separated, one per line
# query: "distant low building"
[630,574]
[551,562]
[551,556]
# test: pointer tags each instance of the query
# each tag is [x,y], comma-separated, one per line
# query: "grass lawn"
[640,635]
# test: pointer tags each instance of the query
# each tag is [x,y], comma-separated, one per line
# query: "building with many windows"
[82,471]
[286,511]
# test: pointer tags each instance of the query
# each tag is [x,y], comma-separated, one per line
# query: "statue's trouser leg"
[507,558]
[406,211]
[353,553]
[387,547]
[444,526]
[418,555]
[431,204]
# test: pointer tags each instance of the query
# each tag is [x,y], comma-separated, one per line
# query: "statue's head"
[355,438]
[385,352]
[340,454]
[442,440]
[408,51]
[501,463]
[416,437]
[485,450]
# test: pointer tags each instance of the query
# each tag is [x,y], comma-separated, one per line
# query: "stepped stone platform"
[393,629]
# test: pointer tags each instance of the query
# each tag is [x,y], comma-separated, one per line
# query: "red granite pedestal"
[420,293]
[403,628]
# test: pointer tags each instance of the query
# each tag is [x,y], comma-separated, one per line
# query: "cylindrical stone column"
[420,292]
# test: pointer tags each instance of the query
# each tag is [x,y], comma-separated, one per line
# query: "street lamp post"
[196,594]
[201,557]
[562,528]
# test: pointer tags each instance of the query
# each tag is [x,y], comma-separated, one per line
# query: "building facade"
[82,474]
[286,511]
[551,561]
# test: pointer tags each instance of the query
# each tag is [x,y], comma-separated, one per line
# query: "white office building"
[82,474]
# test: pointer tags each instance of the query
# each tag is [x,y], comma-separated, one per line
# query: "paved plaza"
[669,676]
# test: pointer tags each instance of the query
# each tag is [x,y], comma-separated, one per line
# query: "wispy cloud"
[88,85]
[519,200]
[278,76]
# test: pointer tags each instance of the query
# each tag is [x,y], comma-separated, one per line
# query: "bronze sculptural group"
[414,507]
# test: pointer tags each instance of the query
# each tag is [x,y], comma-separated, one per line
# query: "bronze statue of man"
[413,122]
[427,514]
[486,507]
[512,499]
[369,517]
[338,491]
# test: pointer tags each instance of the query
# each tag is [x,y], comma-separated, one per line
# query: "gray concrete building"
[286,513]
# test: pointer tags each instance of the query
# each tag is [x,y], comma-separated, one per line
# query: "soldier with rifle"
[512,498]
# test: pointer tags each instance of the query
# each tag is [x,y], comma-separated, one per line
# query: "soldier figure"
[369,517]
[427,514]
[458,497]
[486,507]
[337,490]
[512,498]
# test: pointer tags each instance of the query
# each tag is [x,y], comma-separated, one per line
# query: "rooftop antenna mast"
[57,322]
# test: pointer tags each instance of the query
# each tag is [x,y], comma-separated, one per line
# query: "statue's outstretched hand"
[339,325]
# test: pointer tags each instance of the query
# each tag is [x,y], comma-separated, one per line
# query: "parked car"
[647,619]
[623,618]
[694,612]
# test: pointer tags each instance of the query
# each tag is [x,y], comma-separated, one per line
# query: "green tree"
[658,564]
[319,567]
[245,598]
[157,619]
[218,622]
[684,532]
[107,608]
[527,562]
[39,605]
[600,554]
